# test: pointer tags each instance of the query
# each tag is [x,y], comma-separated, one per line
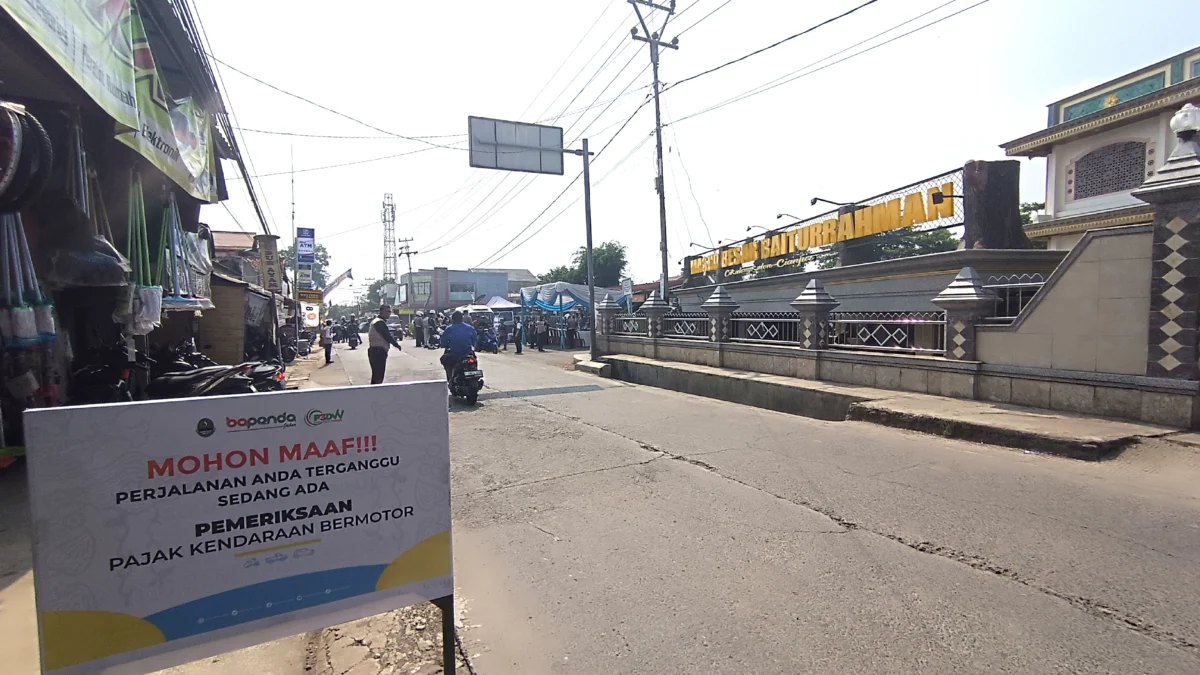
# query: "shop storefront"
[108,147]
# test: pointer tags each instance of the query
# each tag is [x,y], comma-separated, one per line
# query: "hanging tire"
[37,159]
[10,148]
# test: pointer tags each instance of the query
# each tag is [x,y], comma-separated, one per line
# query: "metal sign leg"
[446,604]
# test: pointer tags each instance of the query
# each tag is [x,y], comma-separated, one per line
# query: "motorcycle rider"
[379,338]
[459,342]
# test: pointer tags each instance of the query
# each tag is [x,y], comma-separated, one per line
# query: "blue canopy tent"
[559,297]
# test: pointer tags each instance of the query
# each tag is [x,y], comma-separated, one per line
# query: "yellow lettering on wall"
[862,222]
[829,231]
[845,228]
[750,252]
[778,248]
[695,266]
[946,208]
[914,210]
[886,216]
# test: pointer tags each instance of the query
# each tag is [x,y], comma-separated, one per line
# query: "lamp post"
[780,215]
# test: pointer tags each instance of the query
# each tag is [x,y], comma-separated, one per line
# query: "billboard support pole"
[449,641]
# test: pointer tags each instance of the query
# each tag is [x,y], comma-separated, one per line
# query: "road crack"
[1090,606]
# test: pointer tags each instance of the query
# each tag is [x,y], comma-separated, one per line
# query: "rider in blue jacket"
[458,340]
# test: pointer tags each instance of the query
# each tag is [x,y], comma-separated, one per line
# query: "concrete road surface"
[607,528]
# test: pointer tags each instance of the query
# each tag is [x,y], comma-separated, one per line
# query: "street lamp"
[819,199]
[939,198]
[780,215]
[760,227]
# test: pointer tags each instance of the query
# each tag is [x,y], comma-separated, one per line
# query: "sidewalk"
[1030,429]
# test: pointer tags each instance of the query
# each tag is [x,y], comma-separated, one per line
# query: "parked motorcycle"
[210,381]
[466,379]
[103,377]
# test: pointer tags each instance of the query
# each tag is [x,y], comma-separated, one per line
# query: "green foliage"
[609,263]
[1027,209]
[907,243]
[320,267]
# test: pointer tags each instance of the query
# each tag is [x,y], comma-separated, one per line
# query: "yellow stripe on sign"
[426,560]
[75,637]
[277,548]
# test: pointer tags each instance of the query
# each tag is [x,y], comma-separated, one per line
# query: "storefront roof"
[232,241]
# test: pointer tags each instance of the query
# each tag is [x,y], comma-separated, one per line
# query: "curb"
[1073,448]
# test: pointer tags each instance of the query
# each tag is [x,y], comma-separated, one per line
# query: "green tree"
[609,264]
[374,296]
[320,267]
[608,260]
[1027,210]
[562,273]
[903,243]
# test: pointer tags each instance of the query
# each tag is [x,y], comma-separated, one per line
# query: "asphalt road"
[602,527]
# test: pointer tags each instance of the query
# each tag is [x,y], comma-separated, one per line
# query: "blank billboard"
[513,146]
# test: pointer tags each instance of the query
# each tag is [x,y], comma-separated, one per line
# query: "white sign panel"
[304,275]
[169,531]
[514,146]
[312,314]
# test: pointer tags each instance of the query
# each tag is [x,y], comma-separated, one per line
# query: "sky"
[915,107]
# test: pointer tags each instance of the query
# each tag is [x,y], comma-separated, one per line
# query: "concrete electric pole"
[408,253]
[659,184]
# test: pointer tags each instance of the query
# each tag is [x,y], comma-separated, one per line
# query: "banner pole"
[446,604]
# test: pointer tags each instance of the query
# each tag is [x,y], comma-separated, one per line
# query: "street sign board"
[627,287]
[194,527]
[268,262]
[304,275]
[306,245]
[310,296]
[515,146]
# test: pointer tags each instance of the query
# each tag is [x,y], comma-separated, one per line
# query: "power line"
[691,188]
[607,6]
[782,81]
[500,251]
[300,135]
[238,154]
[344,164]
[701,20]
[235,218]
[575,201]
[756,52]
[311,102]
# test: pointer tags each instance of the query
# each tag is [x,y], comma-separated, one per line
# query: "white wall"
[1154,132]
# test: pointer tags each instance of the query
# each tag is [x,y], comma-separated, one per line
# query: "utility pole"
[388,216]
[655,43]
[408,253]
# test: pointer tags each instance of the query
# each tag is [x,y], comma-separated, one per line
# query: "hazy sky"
[918,106]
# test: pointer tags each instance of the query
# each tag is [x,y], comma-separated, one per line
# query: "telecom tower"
[388,216]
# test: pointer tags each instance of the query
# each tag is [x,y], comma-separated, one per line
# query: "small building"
[236,254]
[441,288]
[1103,143]
[517,279]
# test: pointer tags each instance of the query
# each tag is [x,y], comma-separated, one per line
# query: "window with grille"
[1113,168]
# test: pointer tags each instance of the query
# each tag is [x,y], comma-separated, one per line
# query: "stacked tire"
[26,157]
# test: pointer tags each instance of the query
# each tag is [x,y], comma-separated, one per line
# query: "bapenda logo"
[316,417]
[280,421]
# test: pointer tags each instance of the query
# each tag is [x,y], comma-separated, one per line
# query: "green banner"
[102,45]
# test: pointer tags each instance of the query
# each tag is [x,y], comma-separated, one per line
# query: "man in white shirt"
[327,340]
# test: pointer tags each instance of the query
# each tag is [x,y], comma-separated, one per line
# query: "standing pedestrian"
[429,326]
[504,328]
[572,330]
[379,338]
[418,329]
[519,334]
[543,332]
[327,340]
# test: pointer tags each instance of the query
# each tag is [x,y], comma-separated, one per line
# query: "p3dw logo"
[315,418]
